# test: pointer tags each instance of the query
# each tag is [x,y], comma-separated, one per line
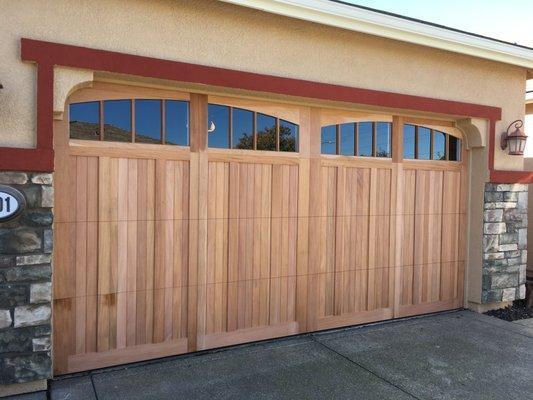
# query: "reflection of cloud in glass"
[219,115]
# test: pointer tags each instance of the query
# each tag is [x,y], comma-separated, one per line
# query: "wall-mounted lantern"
[516,140]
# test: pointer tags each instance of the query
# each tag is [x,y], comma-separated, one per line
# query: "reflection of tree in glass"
[266,139]
[440,156]
[382,153]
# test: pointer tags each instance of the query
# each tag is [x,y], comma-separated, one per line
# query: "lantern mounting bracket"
[517,138]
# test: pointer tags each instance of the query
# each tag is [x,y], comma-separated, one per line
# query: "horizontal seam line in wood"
[332,272]
[258,218]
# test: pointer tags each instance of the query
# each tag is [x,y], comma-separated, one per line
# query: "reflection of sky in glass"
[365,139]
[177,122]
[147,121]
[85,113]
[455,149]
[117,113]
[409,141]
[288,142]
[266,136]
[328,140]
[243,125]
[347,146]
[383,142]
[424,143]
[219,115]
[439,146]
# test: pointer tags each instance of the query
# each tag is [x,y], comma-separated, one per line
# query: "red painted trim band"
[47,54]
[101,60]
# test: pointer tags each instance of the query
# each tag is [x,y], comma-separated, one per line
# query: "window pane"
[439,145]
[288,136]
[117,120]
[148,121]
[243,129]
[454,148]
[84,120]
[347,139]
[177,122]
[218,126]
[329,139]
[266,132]
[383,139]
[365,139]
[409,141]
[424,143]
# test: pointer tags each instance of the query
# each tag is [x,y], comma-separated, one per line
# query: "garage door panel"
[432,268]
[252,219]
[164,252]
[355,278]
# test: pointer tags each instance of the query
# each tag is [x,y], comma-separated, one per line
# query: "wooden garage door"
[162,250]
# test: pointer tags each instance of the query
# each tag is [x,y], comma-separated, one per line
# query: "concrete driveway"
[456,355]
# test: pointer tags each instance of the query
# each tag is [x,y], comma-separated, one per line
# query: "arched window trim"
[132,101]
[278,122]
[432,131]
[356,138]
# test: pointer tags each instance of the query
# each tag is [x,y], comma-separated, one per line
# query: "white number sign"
[12,203]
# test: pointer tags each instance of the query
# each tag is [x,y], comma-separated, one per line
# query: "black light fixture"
[516,140]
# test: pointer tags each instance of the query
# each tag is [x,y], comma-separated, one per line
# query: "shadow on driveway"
[456,355]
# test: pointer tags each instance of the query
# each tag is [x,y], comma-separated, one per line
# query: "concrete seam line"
[365,368]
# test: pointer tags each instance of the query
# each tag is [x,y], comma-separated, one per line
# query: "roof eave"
[389,26]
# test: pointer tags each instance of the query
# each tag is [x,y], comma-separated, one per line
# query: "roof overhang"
[394,27]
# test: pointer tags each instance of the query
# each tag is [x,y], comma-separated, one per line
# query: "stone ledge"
[25,387]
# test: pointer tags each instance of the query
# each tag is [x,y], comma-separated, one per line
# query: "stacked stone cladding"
[25,282]
[504,242]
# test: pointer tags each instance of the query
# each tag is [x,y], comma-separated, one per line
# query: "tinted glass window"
[243,129]
[347,139]
[177,122]
[84,120]
[218,126]
[266,132]
[383,139]
[454,148]
[148,121]
[288,136]
[365,135]
[329,140]
[424,143]
[117,120]
[439,145]
[409,132]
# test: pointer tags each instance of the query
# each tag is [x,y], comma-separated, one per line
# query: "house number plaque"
[12,202]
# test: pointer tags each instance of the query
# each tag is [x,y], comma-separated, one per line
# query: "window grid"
[356,138]
[433,132]
[101,117]
[254,127]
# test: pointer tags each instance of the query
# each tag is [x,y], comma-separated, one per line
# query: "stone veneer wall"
[25,282]
[504,242]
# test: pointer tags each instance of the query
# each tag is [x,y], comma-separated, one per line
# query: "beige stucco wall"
[215,33]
